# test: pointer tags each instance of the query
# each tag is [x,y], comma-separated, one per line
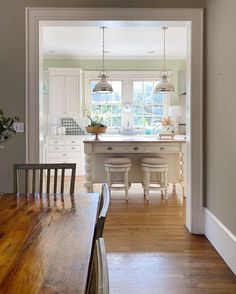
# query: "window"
[107,105]
[149,107]
[136,88]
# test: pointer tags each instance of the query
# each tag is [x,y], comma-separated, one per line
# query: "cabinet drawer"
[55,148]
[167,148]
[74,148]
[55,142]
[110,148]
[72,142]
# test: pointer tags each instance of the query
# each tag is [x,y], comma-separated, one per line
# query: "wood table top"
[46,241]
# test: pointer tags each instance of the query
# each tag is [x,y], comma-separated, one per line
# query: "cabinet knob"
[64,154]
[72,147]
[55,148]
[162,148]
[136,148]
[109,148]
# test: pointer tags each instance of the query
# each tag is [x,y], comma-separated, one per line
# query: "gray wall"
[12,62]
[221,111]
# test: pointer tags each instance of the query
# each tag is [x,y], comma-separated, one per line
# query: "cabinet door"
[71,94]
[57,93]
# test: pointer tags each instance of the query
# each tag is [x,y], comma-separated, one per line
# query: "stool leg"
[166,185]
[147,185]
[126,181]
[162,183]
[109,179]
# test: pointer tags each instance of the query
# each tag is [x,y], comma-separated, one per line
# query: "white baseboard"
[221,238]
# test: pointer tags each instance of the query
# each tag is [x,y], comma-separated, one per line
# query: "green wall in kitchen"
[173,65]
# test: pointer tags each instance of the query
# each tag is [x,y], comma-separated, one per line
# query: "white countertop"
[112,138]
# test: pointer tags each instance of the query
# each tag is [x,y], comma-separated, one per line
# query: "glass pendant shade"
[164,85]
[103,86]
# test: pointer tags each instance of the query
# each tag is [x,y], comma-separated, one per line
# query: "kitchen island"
[134,147]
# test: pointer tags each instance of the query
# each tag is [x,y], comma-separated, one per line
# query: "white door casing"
[194,20]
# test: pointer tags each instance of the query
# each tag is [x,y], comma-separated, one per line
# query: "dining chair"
[103,209]
[34,176]
[99,283]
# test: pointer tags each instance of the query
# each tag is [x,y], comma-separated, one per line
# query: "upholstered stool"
[158,166]
[118,165]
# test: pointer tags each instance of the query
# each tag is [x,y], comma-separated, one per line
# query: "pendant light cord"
[164,28]
[103,49]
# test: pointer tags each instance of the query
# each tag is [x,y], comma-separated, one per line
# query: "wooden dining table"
[46,242]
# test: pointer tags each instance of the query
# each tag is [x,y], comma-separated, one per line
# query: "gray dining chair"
[104,206]
[99,280]
[34,175]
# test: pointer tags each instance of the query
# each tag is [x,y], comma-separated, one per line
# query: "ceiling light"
[103,85]
[164,85]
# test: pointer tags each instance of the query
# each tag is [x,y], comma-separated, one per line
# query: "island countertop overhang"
[133,139]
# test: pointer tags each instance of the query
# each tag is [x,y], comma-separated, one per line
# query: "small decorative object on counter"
[96,126]
[166,129]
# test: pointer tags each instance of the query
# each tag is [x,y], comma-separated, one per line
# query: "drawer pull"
[136,148]
[55,142]
[55,148]
[162,148]
[64,154]
[72,147]
[109,148]
[73,142]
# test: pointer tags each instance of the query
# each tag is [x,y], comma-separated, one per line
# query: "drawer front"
[163,148]
[72,142]
[55,148]
[74,148]
[109,148]
[55,142]
[63,155]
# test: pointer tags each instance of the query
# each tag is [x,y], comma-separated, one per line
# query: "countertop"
[113,138]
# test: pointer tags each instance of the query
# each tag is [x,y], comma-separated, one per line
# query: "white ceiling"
[121,42]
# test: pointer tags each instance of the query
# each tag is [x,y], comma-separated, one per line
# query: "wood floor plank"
[151,251]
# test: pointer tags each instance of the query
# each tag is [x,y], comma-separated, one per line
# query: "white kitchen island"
[134,147]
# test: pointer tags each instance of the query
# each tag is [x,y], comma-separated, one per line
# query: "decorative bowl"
[96,130]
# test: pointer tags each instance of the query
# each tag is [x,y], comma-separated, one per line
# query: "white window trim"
[127,78]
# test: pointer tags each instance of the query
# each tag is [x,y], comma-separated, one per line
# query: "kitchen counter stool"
[159,166]
[118,165]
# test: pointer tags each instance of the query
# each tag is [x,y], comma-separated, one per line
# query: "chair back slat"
[55,181]
[34,181]
[62,180]
[26,180]
[48,180]
[41,181]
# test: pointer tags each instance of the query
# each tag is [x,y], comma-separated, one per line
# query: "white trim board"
[221,238]
[193,18]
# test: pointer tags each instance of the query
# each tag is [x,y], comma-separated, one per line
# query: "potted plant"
[95,126]
[6,127]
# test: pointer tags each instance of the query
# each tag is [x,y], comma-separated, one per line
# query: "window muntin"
[107,105]
[149,108]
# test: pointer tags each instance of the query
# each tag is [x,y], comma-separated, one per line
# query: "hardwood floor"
[150,251]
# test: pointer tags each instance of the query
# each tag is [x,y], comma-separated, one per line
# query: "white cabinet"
[64,91]
[66,149]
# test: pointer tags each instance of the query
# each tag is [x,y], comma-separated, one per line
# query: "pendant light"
[103,86]
[164,85]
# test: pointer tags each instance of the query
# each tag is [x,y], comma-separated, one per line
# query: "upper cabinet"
[64,91]
[182,82]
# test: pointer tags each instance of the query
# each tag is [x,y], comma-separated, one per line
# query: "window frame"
[127,78]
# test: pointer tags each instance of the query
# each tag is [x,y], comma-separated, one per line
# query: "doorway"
[193,18]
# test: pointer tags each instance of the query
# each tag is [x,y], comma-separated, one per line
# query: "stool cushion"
[118,160]
[154,161]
